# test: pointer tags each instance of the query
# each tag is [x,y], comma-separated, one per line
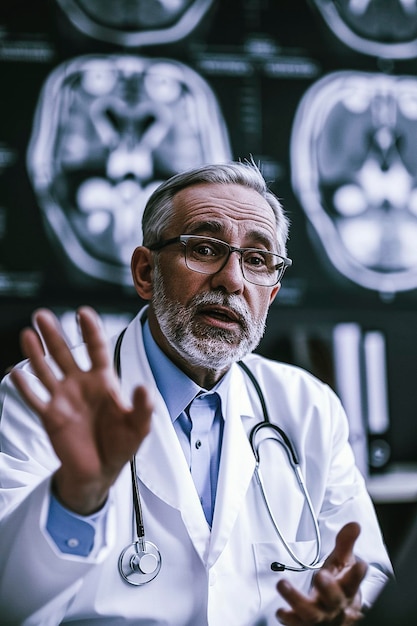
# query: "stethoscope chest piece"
[140,563]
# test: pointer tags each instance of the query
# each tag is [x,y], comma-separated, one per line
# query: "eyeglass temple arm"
[161,244]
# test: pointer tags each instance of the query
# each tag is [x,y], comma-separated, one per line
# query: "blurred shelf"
[397,484]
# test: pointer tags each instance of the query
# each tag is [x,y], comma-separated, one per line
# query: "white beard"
[202,345]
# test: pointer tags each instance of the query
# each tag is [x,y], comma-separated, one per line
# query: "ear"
[274,293]
[142,269]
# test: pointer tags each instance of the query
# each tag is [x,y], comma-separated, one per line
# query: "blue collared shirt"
[75,534]
[178,391]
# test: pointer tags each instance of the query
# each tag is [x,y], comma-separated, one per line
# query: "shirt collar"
[176,388]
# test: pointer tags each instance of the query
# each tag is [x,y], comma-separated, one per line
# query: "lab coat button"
[212,579]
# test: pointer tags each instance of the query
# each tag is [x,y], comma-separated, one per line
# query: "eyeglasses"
[209,256]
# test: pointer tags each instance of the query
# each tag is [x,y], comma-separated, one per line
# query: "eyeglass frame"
[183,239]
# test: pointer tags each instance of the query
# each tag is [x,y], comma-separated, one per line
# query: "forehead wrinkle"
[216,228]
[241,201]
[228,210]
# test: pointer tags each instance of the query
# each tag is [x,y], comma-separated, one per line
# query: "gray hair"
[159,208]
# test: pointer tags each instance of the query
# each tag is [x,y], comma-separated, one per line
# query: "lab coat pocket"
[274,552]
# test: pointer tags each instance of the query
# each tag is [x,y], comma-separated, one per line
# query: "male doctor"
[213,256]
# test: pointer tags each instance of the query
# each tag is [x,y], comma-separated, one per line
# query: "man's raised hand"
[92,430]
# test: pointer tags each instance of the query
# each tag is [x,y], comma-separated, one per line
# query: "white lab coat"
[216,577]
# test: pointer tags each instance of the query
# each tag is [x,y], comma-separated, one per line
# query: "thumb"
[342,554]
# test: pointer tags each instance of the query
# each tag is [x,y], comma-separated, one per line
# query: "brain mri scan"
[354,170]
[385,28]
[107,131]
[132,23]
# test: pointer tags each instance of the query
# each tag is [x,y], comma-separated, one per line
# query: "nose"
[230,277]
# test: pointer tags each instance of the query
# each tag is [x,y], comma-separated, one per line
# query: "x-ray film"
[385,29]
[136,23]
[107,131]
[354,170]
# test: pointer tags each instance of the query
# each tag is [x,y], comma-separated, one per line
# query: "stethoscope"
[140,562]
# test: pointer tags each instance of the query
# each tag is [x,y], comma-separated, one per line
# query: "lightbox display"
[354,170]
[107,131]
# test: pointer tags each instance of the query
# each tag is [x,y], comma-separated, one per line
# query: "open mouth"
[220,316]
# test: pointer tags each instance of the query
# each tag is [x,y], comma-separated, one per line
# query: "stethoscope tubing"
[140,562]
[276,566]
[141,546]
[283,439]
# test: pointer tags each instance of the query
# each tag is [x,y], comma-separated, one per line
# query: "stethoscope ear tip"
[277,567]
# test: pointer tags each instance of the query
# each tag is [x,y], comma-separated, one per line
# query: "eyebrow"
[216,228]
[211,226]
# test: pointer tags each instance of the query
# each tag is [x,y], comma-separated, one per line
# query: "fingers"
[143,407]
[33,349]
[334,591]
[26,392]
[302,609]
[94,337]
[48,338]
[308,610]
[352,578]
[51,335]
[329,603]
[326,604]
[330,593]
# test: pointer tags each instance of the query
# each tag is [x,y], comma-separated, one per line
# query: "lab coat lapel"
[237,463]
[162,467]
[161,464]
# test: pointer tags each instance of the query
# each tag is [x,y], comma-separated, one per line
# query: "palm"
[93,432]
